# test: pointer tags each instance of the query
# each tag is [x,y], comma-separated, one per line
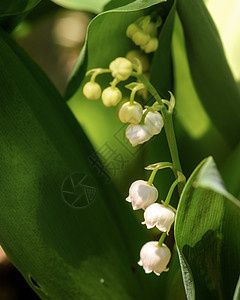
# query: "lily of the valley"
[121,68]
[155,121]
[141,194]
[138,134]
[160,216]
[154,258]
[130,113]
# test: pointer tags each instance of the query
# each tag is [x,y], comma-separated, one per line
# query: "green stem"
[162,238]
[168,125]
[152,176]
[100,71]
[132,96]
[170,192]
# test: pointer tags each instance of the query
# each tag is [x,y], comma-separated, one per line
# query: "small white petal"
[140,263]
[155,121]
[128,199]
[138,134]
[141,194]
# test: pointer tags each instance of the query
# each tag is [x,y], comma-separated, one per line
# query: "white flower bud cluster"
[143,33]
[142,195]
[120,68]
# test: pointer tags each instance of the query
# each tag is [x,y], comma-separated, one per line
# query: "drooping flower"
[138,134]
[132,28]
[160,216]
[141,194]
[130,113]
[121,68]
[92,91]
[154,258]
[155,121]
[111,96]
[150,46]
[141,38]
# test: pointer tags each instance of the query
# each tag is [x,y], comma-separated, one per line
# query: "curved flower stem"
[152,176]
[169,129]
[170,192]
[159,166]
[162,238]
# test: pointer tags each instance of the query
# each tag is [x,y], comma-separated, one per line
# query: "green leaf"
[70,253]
[95,6]
[161,72]
[237,291]
[13,11]
[231,172]
[206,233]
[211,74]
[14,7]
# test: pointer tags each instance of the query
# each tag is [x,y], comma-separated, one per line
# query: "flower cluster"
[143,123]
[143,195]
[143,33]
[120,68]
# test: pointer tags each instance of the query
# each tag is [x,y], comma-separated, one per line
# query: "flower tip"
[140,263]
[128,199]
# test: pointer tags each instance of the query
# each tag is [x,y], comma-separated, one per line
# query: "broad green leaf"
[231,172]
[13,11]
[197,135]
[189,108]
[14,7]
[211,74]
[70,253]
[161,72]
[226,16]
[237,291]
[206,233]
[95,6]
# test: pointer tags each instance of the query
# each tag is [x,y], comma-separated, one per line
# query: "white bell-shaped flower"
[138,134]
[154,258]
[121,68]
[141,194]
[130,113]
[160,216]
[155,121]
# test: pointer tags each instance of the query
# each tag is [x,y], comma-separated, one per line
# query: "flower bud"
[151,28]
[154,258]
[92,90]
[141,194]
[155,121]
[160,216]
[132,28]
[131,55]
[121,68]
[111,96]
[138,134]
[140,38]
[130,113]
[150,46]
